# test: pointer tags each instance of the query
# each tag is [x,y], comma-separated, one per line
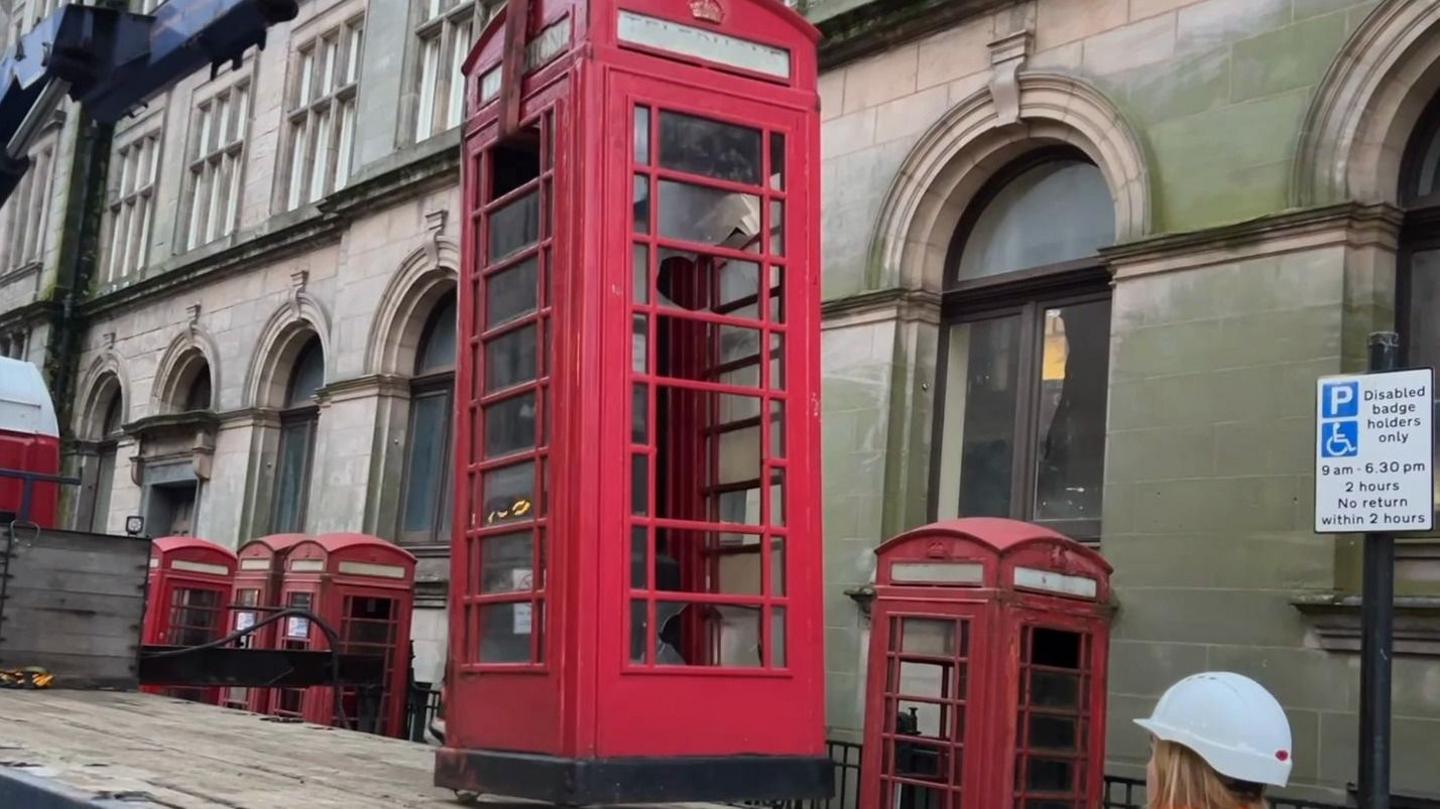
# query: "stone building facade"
[1083,262]
[1144,380]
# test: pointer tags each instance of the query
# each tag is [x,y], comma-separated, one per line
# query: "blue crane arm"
[111,61]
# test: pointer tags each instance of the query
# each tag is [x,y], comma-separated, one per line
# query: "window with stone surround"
[1024,350]
[131,208]
[298,423]
[320,121]
[445,30]
[425,514]
[25,217]
[217,147]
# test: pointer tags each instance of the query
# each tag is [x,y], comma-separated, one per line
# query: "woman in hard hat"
[1219,741]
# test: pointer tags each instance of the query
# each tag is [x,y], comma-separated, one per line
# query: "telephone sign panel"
[1374,445]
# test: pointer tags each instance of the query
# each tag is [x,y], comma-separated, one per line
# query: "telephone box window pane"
[506,564]
[733,352]
[639,630]
[639,558]
[980,402]
[642,136]
[511,293]
[708,634]
[709,148]
[1052,690]
[777,428]
[777,497]
[777,567]
[509,494]
[925,680]
[714,563]
[1056,648]
[1070,463]
[515,163]
[510,359]
[640,346]
[696,282]
[708,216]
[1053,733]
[777,161]
[510,426]
[741,506]
[738,458]
[927,636]
[777,294]
[924,719]
[639,484]
[1050,775]
[515,226]
[639,414]
[505,633]
[642,204]
[641,255]
[777,637]
[777,361]
[777,228]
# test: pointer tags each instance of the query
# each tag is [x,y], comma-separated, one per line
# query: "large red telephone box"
[189,595]
[363,588]
[988,649]
[258,576]
[636,600]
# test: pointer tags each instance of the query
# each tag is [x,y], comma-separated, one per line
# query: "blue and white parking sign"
[1373,445]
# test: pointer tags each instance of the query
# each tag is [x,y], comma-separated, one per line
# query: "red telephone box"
[988,649]
[636,599]
[363,587]
[189,594]
[258,579]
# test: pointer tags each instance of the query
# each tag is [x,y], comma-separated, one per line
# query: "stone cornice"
[405,174]
[1348,224]
[882,24]
[29,313]
[248,417]
[366,386]
[1335,620]
[197,419]
[893,303]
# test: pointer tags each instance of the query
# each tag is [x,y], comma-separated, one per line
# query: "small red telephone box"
[258,577]
[189,594]
[636,568]
[988,650]
[363,587]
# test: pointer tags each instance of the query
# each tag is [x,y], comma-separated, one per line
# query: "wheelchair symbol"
[1341,439]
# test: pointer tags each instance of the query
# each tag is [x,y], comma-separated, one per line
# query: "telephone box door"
[926,671]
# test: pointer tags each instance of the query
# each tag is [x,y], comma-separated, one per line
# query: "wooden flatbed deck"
[139,751]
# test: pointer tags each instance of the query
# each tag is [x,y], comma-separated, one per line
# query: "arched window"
[1024,353]
[297,438]
[110,429]
[1418,283]
[197,395]
[425,513]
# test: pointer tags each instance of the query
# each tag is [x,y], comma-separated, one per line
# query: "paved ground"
[163,752]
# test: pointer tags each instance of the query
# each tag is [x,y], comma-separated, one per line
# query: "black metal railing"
[1119,793]
[422,705]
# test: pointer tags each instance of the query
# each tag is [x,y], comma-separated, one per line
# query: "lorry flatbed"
[144,750]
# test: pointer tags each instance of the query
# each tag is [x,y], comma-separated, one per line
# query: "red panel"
[30,453]
[188,601]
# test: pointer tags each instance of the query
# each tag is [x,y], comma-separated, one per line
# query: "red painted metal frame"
[331,588]
[579,696]
[1003,619]
[258,578]
[182,568]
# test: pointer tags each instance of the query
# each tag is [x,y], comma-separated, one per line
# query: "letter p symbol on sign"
[1340,400]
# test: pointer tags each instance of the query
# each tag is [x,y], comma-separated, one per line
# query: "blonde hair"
[1184,781]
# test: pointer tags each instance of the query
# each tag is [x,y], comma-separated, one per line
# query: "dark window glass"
[307,376]
[709,148]
[515,226]
[1070,456]
[510,359]
[511,293]
[297,443]
[510,425]
[198,395]
[429,431]
[980,398]
[437,343]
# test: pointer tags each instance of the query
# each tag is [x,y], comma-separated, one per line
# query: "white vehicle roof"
[25,405]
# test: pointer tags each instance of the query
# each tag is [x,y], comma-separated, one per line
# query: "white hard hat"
[1231,722]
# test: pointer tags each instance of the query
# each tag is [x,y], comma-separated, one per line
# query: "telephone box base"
[588,782]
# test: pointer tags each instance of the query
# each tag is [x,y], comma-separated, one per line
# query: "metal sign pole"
[1377,631]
